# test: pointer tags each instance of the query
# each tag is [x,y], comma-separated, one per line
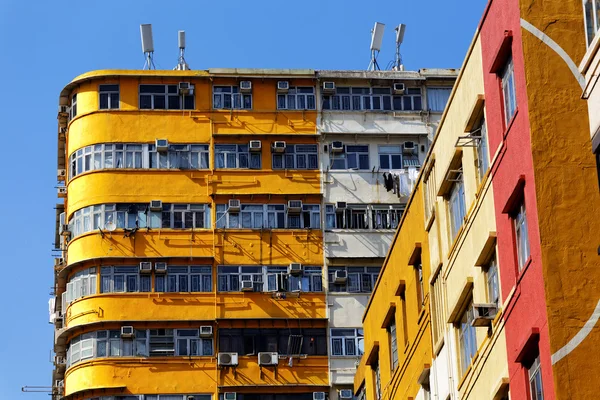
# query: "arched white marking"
[557,49]
[578,338]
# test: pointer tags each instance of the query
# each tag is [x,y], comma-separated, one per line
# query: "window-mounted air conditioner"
[409,147]
[328,87]
[247,286]
[318,395]
[340,277]
[64,230]
[189,397]
[341,205]
[234,205]
[230,396]
[62,191]
[63,109]
[283,86]
[294,206]
[245,86]
[206,331]
[278,147]
[145,267]
[162,145]
[60,384]
[61,174]
[227,359]
[399,88]
[255,145]
[185,88]
[268,358]
[62,131]
[127,331]
[59,360]
[160,267]
[484,314]
[155,205]
[345,394]
[295,269]
[337,147]
[59,261]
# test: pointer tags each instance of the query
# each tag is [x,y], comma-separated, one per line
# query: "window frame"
[182,99]
[482,149]
[393,342]
[382,152]
[360,279]
[292,156]
[492,280]
[591,27]
[241,151]
[372,98]
[73,108]
[235,220]
[521,228]
[234,91]
[355,153]
[296,96]
[535,380]
[467,338]
[230,276]
[356,338]
[456,204]
[109,96]
[509,94]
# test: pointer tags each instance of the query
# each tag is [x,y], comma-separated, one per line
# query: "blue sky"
[45,44]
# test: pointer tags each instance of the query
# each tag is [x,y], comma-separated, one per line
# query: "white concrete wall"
[347,309]
[377,122]
[357,243]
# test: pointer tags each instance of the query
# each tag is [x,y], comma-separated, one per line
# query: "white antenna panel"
[147,42]
[181,37]
[377,36]
[400,33]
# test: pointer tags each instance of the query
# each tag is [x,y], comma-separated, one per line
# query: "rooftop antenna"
[181,64]
[376,39]
[398,66]
[147,45]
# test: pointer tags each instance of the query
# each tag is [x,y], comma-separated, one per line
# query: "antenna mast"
[181,63]
[147,45]
[376,38]
[398,66]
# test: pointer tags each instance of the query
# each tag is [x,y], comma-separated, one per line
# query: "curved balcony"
[142,375]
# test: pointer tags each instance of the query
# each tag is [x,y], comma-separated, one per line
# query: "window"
[292,341]
[591,9]
[145,343]
[271,216]
[393,339]
[354,157]
[297,156]
[521,234]
[229,97]
[418,266]
[359,279]
[375,368]
[535,380]
[429,191]
[123,279]
[109,97]
[483,162]
[508,91]
[456,204]
[156,397]
[73,109]
[297,98]
[491,277]
[347,342]
[390,157]
[276,278]
[363,216]
[136,216]
[375,98]
[467,338]
[437,98]
[164,97]
[195,278]
[131,155]
[438,323]
[81,284]
[386,217]
[236,156]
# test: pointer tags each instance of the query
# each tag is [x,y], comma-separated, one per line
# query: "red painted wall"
[527,310]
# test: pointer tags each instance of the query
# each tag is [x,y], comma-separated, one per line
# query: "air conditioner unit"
[337,147]
[230,396]
[189,398]
[59,262]
[318,395]
[64,230]
[245,86]
[62,191]
[185,88]
[61,174]
[247,286]
[160,267]
[127,331]
[341,205]
[60,384]
[344,394]
[145,267]
[399,88]
[62,132]
[255,145]
[294,206]
[162,145]
[340,277]
[283,86]
[227,359]
[63,109]
[234,205]
[278,147]
[58,360]
[155,205]
[295,269]
[409,148]
[268,358]
[484,314]
[206,331]
[328,87]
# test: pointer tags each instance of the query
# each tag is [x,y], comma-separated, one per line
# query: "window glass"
[456,204]
[297,98]
[109,96]
[467,339]
[508,91]
[229,97]
[522,237]
[437,98]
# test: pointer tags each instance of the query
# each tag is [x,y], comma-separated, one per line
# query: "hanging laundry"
[404,184]
[412,177]
[388,181]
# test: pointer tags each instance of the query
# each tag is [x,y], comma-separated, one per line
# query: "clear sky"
[44,44]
